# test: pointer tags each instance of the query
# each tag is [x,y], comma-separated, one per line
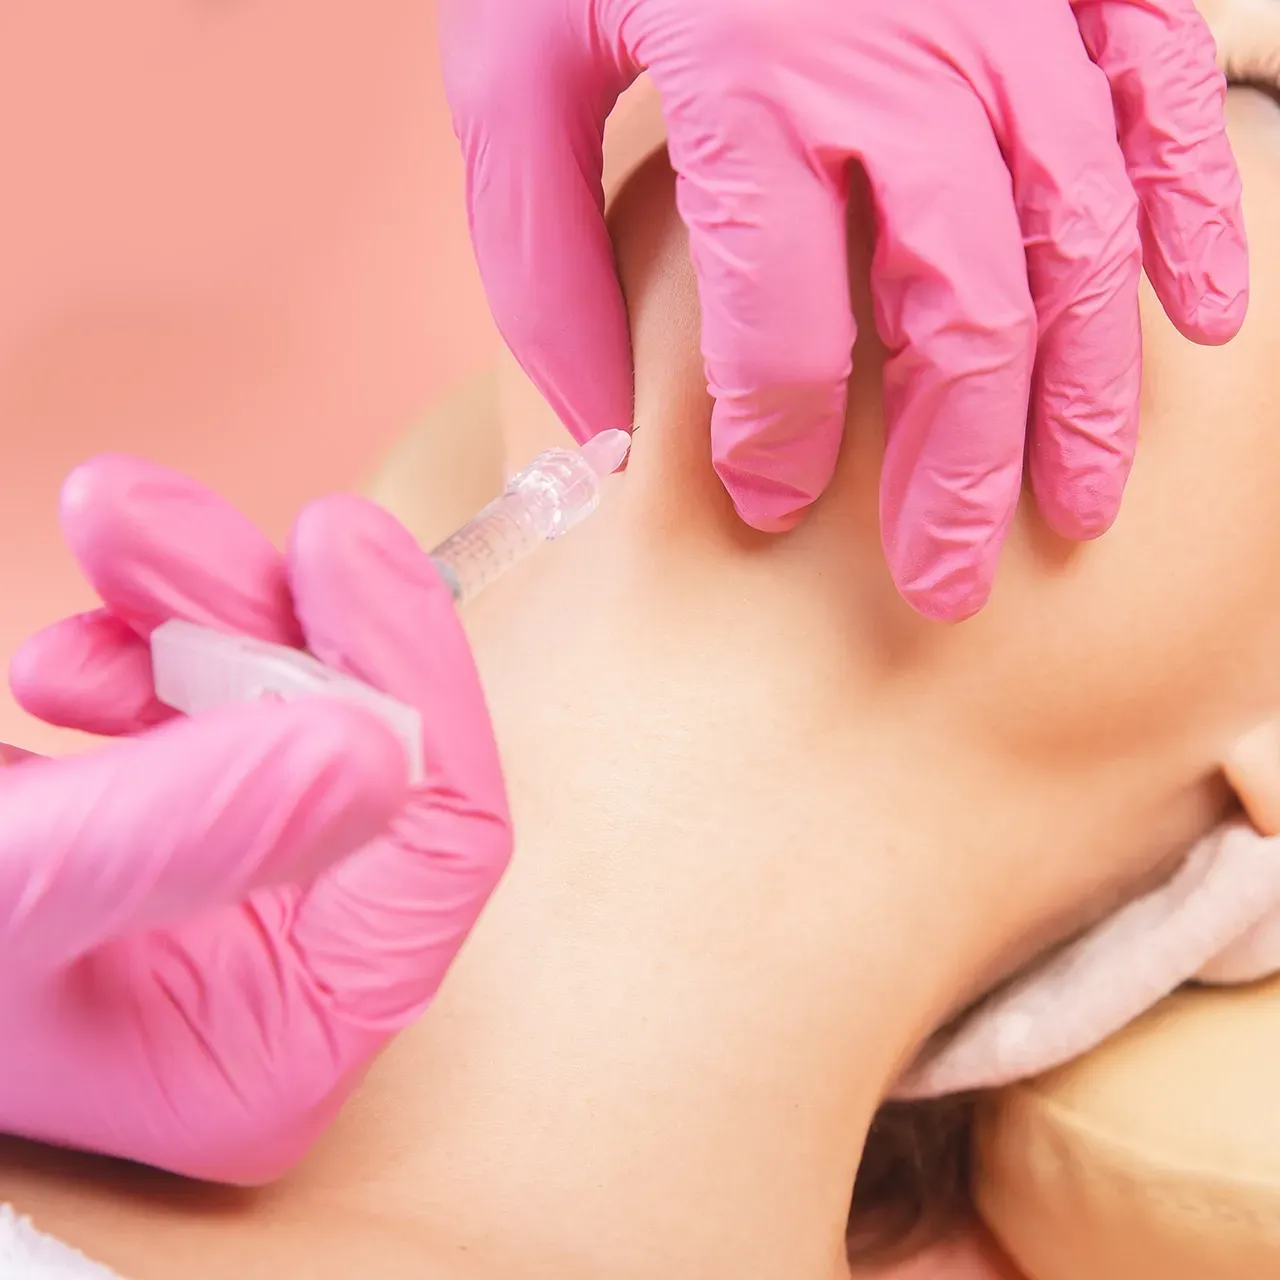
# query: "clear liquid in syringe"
[555,492]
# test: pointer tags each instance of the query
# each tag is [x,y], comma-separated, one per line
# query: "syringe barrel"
[551,495]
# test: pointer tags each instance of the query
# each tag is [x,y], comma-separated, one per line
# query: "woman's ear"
[1252,767]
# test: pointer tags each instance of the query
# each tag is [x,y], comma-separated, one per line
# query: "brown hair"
[913,1183]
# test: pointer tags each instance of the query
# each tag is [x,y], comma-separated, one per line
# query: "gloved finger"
[1079,219]
[767,240]
[380,929]
[953,306]
[155,545]
[91,672]
[530,114]
[193,815]
[1169,97]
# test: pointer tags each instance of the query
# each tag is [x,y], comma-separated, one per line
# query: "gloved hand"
[1007,216]
[209,930]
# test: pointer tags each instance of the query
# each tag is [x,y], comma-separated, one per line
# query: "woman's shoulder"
[448,464]
[456,457]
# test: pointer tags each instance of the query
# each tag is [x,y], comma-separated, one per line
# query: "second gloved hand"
[1026,158]
[208,931]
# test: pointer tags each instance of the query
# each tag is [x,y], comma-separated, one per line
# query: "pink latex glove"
[209,930]
[1009,230]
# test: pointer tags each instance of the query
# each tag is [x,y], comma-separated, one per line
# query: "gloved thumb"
[380,930]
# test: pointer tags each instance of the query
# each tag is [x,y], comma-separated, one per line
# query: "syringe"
[556,491]
[196,668]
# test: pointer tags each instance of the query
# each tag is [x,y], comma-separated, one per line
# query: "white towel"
[1215,920]
[28,1254]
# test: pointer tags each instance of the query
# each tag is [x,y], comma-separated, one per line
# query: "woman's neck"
[1077,804]
[762,851]
[748,882]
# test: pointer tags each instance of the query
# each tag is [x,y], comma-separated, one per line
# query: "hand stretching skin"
[207,931]
[1013,226]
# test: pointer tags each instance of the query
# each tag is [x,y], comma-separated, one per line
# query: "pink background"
[232,239]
